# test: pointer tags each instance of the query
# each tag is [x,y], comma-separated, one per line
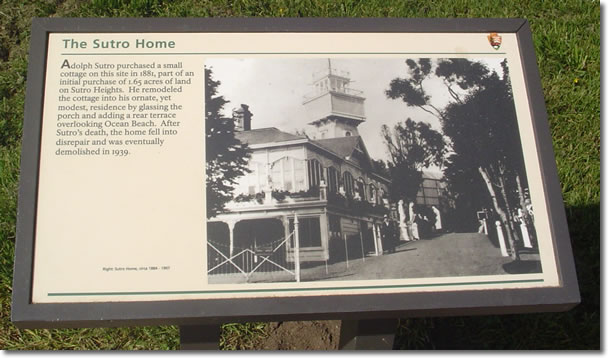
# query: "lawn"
[567,42]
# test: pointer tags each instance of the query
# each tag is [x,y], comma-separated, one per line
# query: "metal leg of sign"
[199,337]
[372,334]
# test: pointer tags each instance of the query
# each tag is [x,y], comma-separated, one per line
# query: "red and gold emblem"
[495,40]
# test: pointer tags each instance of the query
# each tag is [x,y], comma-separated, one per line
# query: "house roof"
[265,135]
[345,146]
[342,146]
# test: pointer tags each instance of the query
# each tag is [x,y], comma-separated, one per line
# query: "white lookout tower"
[334,109]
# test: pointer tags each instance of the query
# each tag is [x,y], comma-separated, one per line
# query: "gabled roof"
[345,147]
[265,135]
[342,146]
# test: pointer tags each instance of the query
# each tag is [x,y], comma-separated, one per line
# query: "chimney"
[242,118]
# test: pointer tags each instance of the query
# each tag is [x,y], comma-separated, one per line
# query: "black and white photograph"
[345,168]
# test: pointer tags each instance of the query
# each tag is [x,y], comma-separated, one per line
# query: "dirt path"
[302,335]
[446,255]
[453,254]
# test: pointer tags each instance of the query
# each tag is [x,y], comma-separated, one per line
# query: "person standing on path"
[415,227]
[389,236]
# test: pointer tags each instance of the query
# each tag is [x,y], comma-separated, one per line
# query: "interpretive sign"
[199,170]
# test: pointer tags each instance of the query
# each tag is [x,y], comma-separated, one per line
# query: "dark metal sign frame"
[26,314]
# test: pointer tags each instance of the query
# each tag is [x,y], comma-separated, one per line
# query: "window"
[347,134]
[348,183]
[372,194]
[256,180]
[332,179]
[315,173]
[309,232]
[287,174]
[361,188]
[298,174]
[277,174]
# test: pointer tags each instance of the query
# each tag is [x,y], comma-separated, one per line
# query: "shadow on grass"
[577,329]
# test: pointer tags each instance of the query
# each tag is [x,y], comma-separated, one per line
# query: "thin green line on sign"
[141,293]
[279,53]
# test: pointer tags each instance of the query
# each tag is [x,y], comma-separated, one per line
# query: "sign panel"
[228,165]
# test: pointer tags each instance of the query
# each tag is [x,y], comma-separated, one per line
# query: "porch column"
[287,245]
[379,235]
[285,221]
[296,246]
[346,249]
[324,228]
[345,239]
[231,235]
[375,239]
[361,239]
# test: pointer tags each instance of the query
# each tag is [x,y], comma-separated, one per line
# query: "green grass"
[567,41]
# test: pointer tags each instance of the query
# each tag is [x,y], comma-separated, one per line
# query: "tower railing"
[333,71]
[345,90]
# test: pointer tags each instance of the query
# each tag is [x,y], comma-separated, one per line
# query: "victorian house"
[326,178]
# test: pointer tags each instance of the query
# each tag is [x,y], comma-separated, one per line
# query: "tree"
[463,73]
[483,129]
[380,167]
[412,146]
[481,125]
[226,156]
[463,190]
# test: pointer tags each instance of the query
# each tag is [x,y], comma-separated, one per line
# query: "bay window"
[288,174]
[333,179]
[348,183]
[315,173]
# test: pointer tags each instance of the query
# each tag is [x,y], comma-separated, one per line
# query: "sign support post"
[370,334]
[199,337]
[296,229]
